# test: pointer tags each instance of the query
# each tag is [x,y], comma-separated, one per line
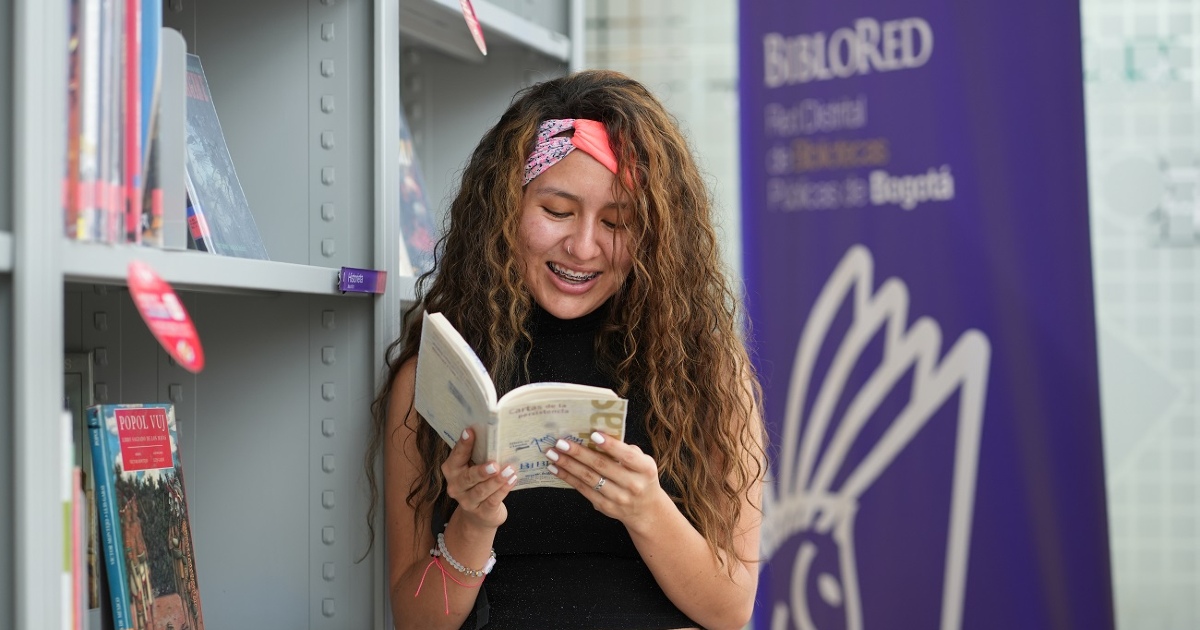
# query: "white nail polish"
[552,454]
[507,472]
[562,445]
[597,437]
[553,469]
[490,469]
[512,480]
[466,435]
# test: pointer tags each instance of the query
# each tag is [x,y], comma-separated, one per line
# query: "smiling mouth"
[574,278]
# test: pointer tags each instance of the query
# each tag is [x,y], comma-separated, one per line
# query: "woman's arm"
[480,491]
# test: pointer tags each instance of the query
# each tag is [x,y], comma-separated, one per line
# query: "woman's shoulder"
[403,386]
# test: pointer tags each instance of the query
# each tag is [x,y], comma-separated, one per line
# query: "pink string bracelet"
[441,552]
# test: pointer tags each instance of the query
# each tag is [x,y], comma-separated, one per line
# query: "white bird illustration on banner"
[815,493]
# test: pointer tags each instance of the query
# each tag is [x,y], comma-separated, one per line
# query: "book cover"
[213,187]
[416,223]
[454,392]
[146,535]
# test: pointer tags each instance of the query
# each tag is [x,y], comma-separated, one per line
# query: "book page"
[453,391]
[532,425]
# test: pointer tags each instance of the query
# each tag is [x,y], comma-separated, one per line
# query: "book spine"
[67,494]
[89,218]
[197,227]
[151,219]
[110,524]
[132,201]
[71,176]
[79,548]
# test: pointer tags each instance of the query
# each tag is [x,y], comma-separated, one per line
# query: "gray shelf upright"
[8,505]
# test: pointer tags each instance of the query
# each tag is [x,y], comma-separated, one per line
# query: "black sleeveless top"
[560,562]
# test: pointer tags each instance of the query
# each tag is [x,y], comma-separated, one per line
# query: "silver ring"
[599,484]
[569,251]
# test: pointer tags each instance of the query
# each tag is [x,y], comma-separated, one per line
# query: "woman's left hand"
[618,478]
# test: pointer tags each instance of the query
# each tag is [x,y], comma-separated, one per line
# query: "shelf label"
[468,11]
[165,316]
[352,280]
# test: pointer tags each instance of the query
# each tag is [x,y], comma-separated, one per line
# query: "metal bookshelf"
[272,430]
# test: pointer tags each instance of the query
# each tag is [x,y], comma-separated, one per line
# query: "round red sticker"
[164,314]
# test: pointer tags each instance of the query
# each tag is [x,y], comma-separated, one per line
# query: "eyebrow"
[558,192]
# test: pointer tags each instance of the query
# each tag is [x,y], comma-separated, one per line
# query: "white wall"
[1144,173]
[686,53]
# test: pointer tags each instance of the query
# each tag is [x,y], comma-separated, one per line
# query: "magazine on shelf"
[220,221]
[416,223]
[147,539]
[454,392]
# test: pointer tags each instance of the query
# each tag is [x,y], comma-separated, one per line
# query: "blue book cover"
[146,535]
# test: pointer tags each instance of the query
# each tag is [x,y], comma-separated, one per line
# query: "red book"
[132,193]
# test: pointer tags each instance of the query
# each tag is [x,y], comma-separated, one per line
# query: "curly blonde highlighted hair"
[674,325]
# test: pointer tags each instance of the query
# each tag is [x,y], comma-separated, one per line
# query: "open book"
[454,391]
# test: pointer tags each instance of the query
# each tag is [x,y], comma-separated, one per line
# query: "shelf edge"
[198,271]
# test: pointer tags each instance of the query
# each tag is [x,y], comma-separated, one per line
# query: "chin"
[569,308]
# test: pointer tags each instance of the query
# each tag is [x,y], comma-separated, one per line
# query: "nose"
[584,243]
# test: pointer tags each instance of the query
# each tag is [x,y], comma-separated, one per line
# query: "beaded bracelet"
[445,554]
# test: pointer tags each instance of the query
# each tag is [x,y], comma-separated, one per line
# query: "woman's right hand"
[479,490]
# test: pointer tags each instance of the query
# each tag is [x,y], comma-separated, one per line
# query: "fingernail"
[597,437]
[512,480]
[552,454]
[491,469]
[553,469]
[562,445]
[466,435]
[507,472]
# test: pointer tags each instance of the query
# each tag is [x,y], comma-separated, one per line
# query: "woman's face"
[573,241]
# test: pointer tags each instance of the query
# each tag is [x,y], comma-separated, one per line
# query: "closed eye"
[557,215]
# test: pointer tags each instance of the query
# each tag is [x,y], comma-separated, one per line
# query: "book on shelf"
[147,538]
[112,65]
[74,583]
[170,141]
[454,392]
[150,222]
[78,388]
[131,128]
[417,234]
[221,221]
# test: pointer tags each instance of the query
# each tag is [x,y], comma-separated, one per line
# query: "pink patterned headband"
[591,136]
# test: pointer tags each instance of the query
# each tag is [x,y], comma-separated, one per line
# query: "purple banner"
[918,274]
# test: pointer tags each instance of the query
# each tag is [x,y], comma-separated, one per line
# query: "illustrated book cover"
[417,233]
[454,392]
[222,216]
[145,534]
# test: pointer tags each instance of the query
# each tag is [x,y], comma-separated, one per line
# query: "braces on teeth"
[567,275]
